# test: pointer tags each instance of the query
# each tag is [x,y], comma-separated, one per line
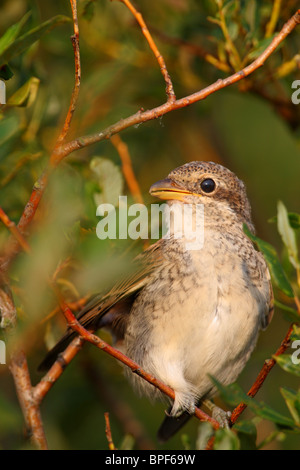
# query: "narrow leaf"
[225,439]
[23,42]
[233,394]
[12,33]
[290,312]
[290,362]
[294,219]
[287,234]
[292,399]
[25,95]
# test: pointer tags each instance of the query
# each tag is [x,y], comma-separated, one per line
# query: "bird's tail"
[171,425]
[53,354]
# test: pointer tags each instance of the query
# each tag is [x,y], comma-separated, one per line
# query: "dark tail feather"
[171,425]
[54,352]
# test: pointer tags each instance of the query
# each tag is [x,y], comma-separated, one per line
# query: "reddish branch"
[127,169]
[76,89]
[30,408]
[14,230]
[266,369]
[111,444]
[169,86]
[144,116]
[53,374]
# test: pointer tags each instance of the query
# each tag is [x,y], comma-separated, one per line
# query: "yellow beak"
[168,189]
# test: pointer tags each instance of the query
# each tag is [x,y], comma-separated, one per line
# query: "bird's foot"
[220,415]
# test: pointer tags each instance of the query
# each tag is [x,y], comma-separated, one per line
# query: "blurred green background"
[252,128]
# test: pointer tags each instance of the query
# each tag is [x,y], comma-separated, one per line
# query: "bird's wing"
[270,308]
[268,311]
[112,309]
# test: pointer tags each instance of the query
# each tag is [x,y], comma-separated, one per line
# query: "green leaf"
[88,9]
[291,313]
[234,395]
[261,46]
[25,95]
[292,399]
[12,33]
[23,42]
[247,434]
[225,439]
[278,275]
[110,181]
[287,234]
[296,333]
[9,127]
[205,432]
[294,219]
[290,362]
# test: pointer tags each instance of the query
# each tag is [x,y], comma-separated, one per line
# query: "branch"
[263,374]
[31,412]
[111,444]
[127,169]
[144,116]
[169,86]
[53,374]
[75,93]
[14,230]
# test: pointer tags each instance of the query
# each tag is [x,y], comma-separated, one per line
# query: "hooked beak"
[168,189]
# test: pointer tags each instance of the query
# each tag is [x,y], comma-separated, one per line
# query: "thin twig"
[53,374]
[233,53]
[117,404]
[111,444]
[169,86]
[127,169]
[144,116]
[75,93]
[195,49]
[14,230]
[263,374]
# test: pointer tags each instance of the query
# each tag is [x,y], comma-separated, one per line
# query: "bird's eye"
[208,185]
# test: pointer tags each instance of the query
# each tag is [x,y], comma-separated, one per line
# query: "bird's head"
[207,183]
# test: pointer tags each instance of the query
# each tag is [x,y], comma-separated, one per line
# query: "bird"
[188,312]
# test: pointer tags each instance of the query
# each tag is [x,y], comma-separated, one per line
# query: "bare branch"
[19,370]
[127,169]
[169,86]
[111,445]
[144,116]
